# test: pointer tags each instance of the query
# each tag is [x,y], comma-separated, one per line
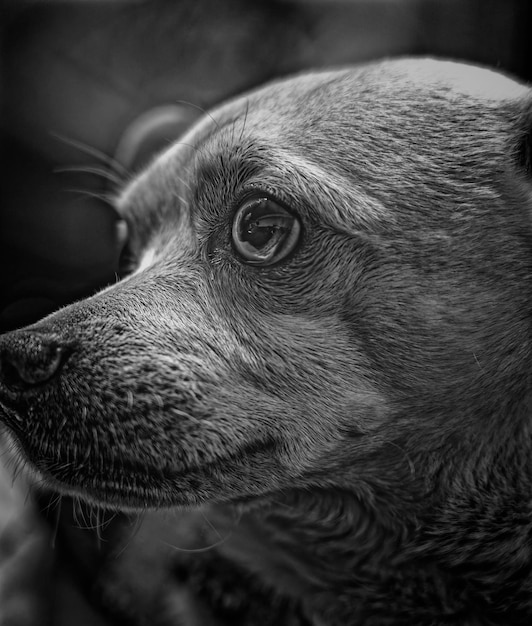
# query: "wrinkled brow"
[326,196]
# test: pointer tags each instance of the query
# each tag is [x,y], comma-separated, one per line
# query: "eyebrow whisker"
[115,165]
[200,109]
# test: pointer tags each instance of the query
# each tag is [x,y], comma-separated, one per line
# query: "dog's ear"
[524,145]
[524,151]
[151,132]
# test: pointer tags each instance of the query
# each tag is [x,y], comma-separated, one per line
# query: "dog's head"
[331,281]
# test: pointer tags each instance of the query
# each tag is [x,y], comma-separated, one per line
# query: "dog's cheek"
[310,383]
[443,342]
[289,341]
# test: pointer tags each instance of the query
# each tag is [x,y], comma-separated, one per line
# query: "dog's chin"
[118,485]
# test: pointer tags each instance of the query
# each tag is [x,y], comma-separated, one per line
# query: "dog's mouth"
[120,489]
[136,484]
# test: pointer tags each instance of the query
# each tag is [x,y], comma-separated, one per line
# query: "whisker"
[221,537]
[55,532]
[18,468]
[98,524]
[233,129]
[211,546]
[200,109]
[187,145]
[82,517]
[244,122]
[52,503]
[86,193]
[101,172]
[211,525]
[94,152]
[137,523]
[179,197]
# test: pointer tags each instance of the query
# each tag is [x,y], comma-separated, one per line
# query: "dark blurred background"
[84,82]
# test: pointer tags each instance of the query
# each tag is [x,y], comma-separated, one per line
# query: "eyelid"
[265,190]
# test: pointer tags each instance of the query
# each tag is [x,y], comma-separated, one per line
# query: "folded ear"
[152,131]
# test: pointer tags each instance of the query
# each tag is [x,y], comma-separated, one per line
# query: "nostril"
[29,359]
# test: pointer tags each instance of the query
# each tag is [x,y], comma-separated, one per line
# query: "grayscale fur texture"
[355,420]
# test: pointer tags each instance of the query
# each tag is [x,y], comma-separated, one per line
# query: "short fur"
[358,416]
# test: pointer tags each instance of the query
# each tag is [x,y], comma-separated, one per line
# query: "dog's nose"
[28,358]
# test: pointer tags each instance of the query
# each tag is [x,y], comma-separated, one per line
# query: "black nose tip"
[28,358]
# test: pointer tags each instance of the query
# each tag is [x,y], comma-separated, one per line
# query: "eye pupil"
[264,232]
[252,228]
[257,233]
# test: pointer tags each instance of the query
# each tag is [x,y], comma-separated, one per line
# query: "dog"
[320,344]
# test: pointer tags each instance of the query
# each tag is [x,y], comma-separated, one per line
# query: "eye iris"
[264,232]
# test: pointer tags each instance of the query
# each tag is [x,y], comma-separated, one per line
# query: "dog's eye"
[264,232]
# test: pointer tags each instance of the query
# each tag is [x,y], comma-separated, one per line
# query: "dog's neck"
[323,545]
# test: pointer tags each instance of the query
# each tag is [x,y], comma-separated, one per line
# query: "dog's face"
[330,275]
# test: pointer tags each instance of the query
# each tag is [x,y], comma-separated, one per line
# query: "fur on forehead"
[361,126]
